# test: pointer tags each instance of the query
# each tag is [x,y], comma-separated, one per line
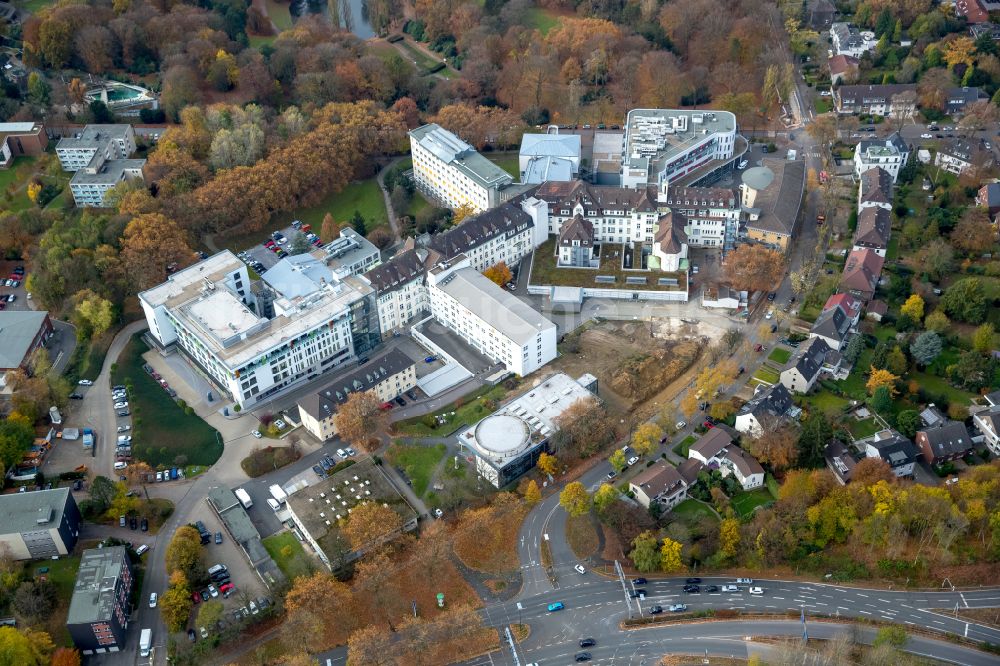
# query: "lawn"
[864,428]
[417,462]
[506,161]
[364,197]
[767,375]
[682,447]
[823,105]
[423,61]
[164,434]
[780,355]
[259,41]
[941,386]
[825,401]
[541,20]
[62,574]
[545,271]
[744,503]
[293,562]
[695,511]
[35,6]
[471,410]
[581,535]
[280,14]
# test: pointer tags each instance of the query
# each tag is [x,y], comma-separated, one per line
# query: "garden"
[288,554]
[417,463]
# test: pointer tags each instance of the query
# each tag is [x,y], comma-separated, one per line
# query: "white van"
[121,465]
[730,588]
[141,549]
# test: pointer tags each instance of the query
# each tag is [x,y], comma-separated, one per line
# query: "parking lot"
[262,257]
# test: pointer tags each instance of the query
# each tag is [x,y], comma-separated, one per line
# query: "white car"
[633,460]
[769,315]
[438,513]
[280,424]
[730,588]
[159,476]
[825,93]
[579,569]
[273,503]
[124,439]
[152,600]
[85,382]
[121,405]
[757,590]
[253,606]
[341,453]
[124,428]
[350,451]
[681,425]
[256,433]
[926,136]
[213,591]
[121,465]
[744,581]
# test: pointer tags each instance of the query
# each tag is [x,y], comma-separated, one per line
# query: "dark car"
[774,327]
[635,594]
[144,525]
[218,537]
[196,597]
[133,523]
[693,581]
[583,656]
[319,471]
[122,412]
[400,401]
[191,635]
[742,370]
[692,589]
[411,395]
[205,595]
[639,581]
[587,642]
[712,588]
[655,610]
[771,296]
[75,396]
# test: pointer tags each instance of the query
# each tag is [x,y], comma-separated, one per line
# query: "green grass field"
[767,375]
[258,41]
[293,565]
[506,161]
[474,407]
[280,14]
[682,447]
[744,503]
[823,105]
[364,197]
[693,510]
[35,6]
[825,401]
[862,429]
[541,20]
[417,57]
[780,355]
[162,431]
[418,462]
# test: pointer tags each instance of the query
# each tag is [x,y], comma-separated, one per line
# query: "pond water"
[352,15]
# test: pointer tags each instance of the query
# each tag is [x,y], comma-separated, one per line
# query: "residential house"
[710,445]
[944,441]
[874,224]
[722,297]
[960,155]
[767,407]
[848,40]
[849,304]
[840,460]
[890,153]
[617,214]
[960,98]
[875,189]
[576,244]
[832,326]
[843,68]
[988,197]
[771,195]
[712,214]
[716,448]
[892,447]
[894,99]
[877,309]
[861,273]
[660,483]
[689,470]
[987,422]
[805,367]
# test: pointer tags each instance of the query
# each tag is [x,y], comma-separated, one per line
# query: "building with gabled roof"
[770,196]
[710,445]
[712,214]
[875,189]
[840,460]
[832,326]
[576,244]
[843,68]
[874,226]
[890,153]
[862,273]
[890,99]
[892,447]
[848,40]
[617,214]
[988,197]
[661,484]
[805,367]
[849,304]
[945,440]
[764,410]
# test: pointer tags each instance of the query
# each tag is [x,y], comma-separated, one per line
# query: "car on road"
[730,588]
[744,581]
[637,592]
[678,608]
[692,589]
[680,425]
[587,642]
[756,590]
[556,606]
[218,537]
[192,636]
[583,656]
[769,315]
[771,296]
[256,433]
[579,569]
[152,599]
[144,525]
[712,588]
[85,382]
[639,581]
[925,135]
[75,396]
[633,460]
[655,610]
[612,474]
[124,428]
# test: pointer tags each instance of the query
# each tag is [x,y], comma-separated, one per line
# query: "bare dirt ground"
[640,366]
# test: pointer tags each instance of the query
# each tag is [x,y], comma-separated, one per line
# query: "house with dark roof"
[689,470]
[960,155]
[399,286]
[876,310]
[771,195]
[710,445]
[892,447]
[960,98]
[670,242]
[988,197]
[875,189]
[862,273]
[840,460]
[987,422]
[890,153]
[895,99]
[944,441]
[843,68]
[832,326]
[660,483]
[977,30]
[849,304]
[504,233]
[765,410]
[846,39]
[716,449]
[805,367]
[576,244]
[712,214]
[874,225]
[618,214]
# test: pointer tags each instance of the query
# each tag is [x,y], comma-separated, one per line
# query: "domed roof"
[502,435]
[758,178]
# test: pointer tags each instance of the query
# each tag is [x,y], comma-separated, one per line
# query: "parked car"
[633,460]
[85,382]
[192,636]
[350,451]
[730,588]
[152,599]
[579,569]
[655,610]
[75,396]
[744,581]
[213,591]
[144,525]
[256,433]
[120,405]
[341,453]
[124,428]
[680,425]
[582,656]
[555,606]
[123,412]
[678,608]
[253,608]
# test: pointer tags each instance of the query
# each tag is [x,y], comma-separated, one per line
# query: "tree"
[210,613]
[102,491]
[754,268]
[870,471]
[26,647]
[77,90]
[813,438]
[175,606]
[604,497]
[938,322]
[617,460]
[645,554]
[16,437]
[713,377]
[880,377]
[358,222]
[913,307]
[34,600]
[720,411]
[646,438]
[670,556]
[321,611]
[499,274]
[938,257]
[150,244]
[371,523]
[462,213]
[926,347]
[855,346]
[689,404]
[933,88]
[974,233]
[775,446]
[973,370]
[39,90]
[360,418]
[908,422]
[548,464]
[894,635]
[965,300]
[93,315]
[574,499]
[959,50]
[184,552]
[982,338]
[532,493]
[895,361]
[585,427]
[64,656]
[881,400]
[729,537]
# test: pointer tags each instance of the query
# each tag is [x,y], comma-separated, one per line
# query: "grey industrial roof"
[500,309]
[779,201]
[758,178]
[18,329]
[453,151]
[238,523]
[350,248]
[541,169]
[28,512]
[323,403]
[111,172]
[94,136]
[550,145]
[297,276]
[94,592]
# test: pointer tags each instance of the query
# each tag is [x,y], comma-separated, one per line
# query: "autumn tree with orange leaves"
[360,418]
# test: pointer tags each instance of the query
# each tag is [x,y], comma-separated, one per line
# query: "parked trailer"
[278,494]
[243,497]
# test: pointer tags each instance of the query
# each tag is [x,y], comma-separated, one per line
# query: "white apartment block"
[351,254]
[493,321]
[400,287]
[98,156]
[453,172]
[208,310]
[713,214]
[90,184]
[890,154]
[664,145]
